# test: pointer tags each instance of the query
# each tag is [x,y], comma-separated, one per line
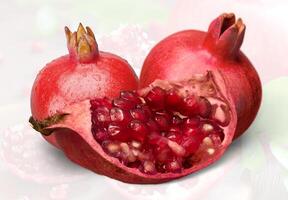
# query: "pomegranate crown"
[82,44]
[225,35]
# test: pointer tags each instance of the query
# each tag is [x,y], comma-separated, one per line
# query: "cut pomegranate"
[149,137]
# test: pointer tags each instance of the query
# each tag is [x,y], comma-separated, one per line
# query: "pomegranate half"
[191,52]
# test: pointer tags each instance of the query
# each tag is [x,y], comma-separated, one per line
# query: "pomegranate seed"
[173,100]
[193,122]
[191,144]
[101,135]
[136,152]
[156,98]
[112,148]
[156,139]
[176,148]
[123,104]
[127,155]
[207,141]
[190,132]
[116,114]
[176,120]
[210,151]
[102,113]
[190,106]
[145,156]
[113,129]
[145,109]
[173,166]
[139,130]
[136,144]
[124,147]
[175,129]
[207,128]
[165,114]
[163,154]
[174,136]
[152,125]
[211,128]
[149,167]
[130,96]
[162,122]
[138,114]
[117,132]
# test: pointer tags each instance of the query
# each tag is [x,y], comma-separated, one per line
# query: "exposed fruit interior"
[166,127]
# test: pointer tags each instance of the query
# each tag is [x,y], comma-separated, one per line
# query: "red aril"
[191,52]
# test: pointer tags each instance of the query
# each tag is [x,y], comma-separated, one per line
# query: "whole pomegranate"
[89,103]
[189,52]
[85,73]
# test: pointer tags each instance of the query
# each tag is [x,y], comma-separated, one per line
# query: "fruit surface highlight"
[218,50]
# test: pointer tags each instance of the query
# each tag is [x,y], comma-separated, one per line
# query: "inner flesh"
[161,130]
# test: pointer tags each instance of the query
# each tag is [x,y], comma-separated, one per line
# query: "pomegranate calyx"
[41,126]
[82,44]
[225,36]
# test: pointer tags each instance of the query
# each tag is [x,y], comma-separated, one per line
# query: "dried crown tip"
[80,32]
[239,21]
[67,33]
[90,32]
[240,25]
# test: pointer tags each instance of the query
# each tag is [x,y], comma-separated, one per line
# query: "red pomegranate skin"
[191,51]
[72,78]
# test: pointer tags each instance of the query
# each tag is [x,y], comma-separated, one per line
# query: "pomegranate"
[84,73]
[159,133]
[189,52]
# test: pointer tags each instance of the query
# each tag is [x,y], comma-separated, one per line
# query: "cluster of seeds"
[159,132]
